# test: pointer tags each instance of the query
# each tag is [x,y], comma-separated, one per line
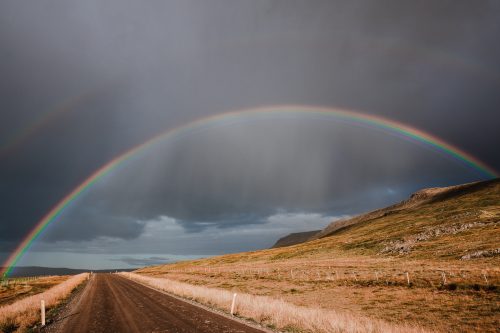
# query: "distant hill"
[37,271]
[417,199]
[425,199]
[295,238]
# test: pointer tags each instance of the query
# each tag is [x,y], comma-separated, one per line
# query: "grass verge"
[17,317]
[275,313]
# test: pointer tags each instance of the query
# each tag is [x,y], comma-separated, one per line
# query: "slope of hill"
[453,222]
[432,260]
[295,238]
[418,199]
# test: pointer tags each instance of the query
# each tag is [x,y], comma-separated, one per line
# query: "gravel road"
[111,303]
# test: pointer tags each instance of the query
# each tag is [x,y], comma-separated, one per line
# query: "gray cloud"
[151,66]
[139,262]
[166,235]
[90,225]
[242,173]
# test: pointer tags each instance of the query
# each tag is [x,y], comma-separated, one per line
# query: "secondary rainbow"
[353,117]
[23,135]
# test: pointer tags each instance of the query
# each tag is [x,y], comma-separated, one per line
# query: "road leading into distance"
[112,303]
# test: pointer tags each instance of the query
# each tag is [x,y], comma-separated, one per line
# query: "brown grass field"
[25,312]
[434,266]
[18,288]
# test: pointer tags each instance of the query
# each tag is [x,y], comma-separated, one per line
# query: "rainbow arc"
[353,117]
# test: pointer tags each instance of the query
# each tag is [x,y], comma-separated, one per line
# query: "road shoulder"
[244,321]
[55,324]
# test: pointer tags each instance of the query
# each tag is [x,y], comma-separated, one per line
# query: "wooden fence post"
[233,304]
[42,309]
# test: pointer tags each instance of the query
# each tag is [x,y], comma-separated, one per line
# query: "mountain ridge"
[416,199]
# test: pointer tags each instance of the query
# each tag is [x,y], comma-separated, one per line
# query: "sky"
[84,81]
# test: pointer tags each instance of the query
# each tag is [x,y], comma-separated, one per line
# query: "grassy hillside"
[449,223]
[432,260]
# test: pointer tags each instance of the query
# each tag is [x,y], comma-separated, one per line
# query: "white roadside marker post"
[42,309]
[233,304]
[408,278]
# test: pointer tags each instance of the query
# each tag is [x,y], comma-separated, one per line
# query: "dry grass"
[273,312]
[464,304]
[25,312]
[19,288]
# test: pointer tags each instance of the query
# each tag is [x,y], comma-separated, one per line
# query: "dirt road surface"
[111,303]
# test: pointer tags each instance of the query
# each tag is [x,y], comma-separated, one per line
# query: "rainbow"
[25,134]
[356,118]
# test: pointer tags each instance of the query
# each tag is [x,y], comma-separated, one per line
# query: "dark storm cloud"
[90,225]
[237,175]
[143,261]
[154,65]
